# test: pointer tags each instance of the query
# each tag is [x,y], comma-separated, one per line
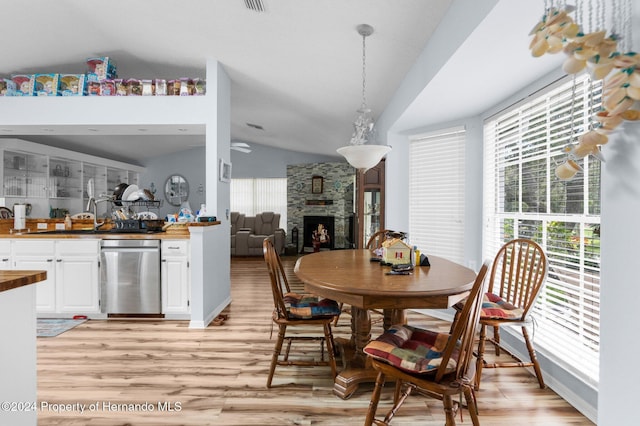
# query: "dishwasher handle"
[130,250]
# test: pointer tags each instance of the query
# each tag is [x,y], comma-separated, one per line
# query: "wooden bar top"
[82,229]
[14,279]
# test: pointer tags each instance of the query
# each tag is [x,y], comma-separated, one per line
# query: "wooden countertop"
[14,279]
[174,233]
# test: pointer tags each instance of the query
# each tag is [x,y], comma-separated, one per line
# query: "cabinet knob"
[59,260]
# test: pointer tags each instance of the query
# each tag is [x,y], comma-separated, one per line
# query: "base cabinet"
[38,255]
[5,255]
[73,266]
[72,282]
[175,278]
[77,285]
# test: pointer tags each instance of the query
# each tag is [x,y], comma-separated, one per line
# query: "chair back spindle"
[518,273]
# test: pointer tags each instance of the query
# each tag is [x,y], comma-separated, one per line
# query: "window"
[251,196]
[436,193]
[523,198]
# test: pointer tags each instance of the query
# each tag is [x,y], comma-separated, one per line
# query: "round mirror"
[176,190]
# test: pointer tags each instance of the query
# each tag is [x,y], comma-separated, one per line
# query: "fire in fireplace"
[318,233]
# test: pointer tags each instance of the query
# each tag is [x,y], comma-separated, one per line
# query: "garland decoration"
[599,54]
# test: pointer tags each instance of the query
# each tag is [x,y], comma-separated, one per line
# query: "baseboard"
[211,316]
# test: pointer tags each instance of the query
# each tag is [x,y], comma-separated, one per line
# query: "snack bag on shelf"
[24,84]
[45,84]
[100,69]
[72,84]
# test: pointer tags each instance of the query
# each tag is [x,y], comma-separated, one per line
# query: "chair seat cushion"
[494,307]
[411,349]
[306,306]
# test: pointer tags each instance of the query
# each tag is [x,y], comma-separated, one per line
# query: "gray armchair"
[237,223]
[250,232]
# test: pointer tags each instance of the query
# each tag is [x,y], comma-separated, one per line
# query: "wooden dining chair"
[434,364]
[375,242]
[517,275]
[295,310]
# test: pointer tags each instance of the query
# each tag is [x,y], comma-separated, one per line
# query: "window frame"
[567,310]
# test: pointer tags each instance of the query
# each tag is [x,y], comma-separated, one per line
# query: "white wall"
[268,162]
[619,283]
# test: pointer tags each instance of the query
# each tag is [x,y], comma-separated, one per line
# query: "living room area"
[302,190]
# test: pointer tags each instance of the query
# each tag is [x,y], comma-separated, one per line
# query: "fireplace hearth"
[319,233]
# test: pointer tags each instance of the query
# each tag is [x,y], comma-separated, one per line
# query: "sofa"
[248,233]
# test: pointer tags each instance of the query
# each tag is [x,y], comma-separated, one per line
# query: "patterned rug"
[55,327]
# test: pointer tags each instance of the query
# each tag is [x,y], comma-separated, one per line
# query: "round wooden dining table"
[352,277]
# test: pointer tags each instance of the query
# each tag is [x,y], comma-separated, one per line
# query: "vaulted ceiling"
[295,67]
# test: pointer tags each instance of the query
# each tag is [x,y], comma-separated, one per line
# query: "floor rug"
[55,327]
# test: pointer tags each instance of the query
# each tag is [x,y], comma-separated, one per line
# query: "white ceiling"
[295,68]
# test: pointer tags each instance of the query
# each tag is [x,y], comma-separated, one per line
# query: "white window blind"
[251,196]
[523,198]
[436,193]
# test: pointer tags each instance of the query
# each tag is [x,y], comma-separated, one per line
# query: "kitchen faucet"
[93,203]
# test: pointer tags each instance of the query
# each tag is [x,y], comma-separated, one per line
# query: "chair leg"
[335,322]
[375,398]
[328,338]
[397,392]
[480,355]
[449,412]
[276,353]
[470,397]
[496,337]
[533,357]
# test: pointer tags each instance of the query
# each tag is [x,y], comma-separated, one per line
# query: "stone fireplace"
[336,200]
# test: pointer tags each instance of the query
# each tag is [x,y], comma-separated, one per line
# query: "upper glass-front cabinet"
[65,178]
[54,181]
[25,175]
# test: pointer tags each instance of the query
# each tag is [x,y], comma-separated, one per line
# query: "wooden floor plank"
[217,376]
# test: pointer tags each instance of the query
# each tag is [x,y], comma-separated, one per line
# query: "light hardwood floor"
[217,376]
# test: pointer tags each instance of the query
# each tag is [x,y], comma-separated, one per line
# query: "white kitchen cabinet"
[65,178]
[5,255]
[175,278]
[38,255]
[77,276]
[24,175]
[72,284]
[54,180]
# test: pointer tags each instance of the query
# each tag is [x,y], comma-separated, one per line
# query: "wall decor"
[224,169]
[317,183]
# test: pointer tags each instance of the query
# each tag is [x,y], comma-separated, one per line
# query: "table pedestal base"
[356,366]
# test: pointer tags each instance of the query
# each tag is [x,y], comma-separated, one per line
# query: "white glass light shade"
[364,157]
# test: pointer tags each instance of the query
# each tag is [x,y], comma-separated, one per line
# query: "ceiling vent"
[255,5]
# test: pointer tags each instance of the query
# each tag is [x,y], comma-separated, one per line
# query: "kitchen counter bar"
[18,388]
[14,279]
[109,235]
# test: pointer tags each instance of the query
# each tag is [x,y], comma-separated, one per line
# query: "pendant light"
[359,153]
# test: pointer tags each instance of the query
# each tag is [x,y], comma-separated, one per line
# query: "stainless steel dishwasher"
[130,278]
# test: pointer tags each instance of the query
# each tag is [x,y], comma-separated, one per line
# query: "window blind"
[436,193]
[251,196]
[523,198]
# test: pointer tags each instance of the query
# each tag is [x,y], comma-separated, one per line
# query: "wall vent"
[255,5]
